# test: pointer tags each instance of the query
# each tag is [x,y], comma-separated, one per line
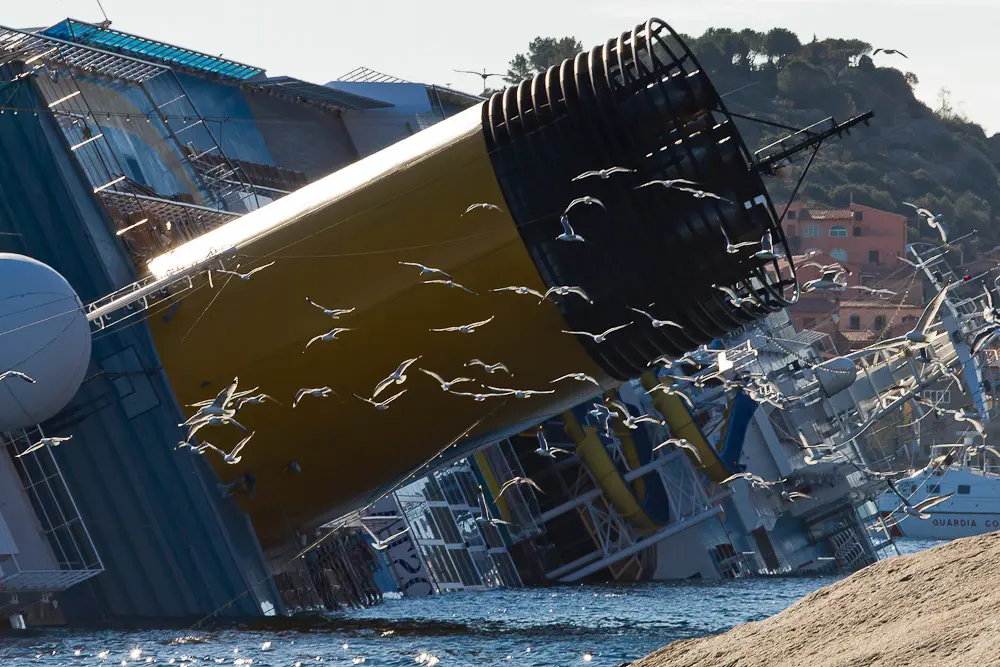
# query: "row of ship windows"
[934,489]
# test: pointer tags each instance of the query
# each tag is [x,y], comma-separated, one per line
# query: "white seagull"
[872,290]
[733,248]
[426,269]
[330,312]
[735,300]
[327,337]
[766,251]
[259,399]
[514,481]
[668,183]
[601,337]
[588,201]
[963,416]
[519,393]
[248,274]
[830,280]
[232,457]
[466,328]
[655,322]
[383,405]
[702,194]
[604,174]
[568,233]
[517,289]
[17,374]
[489,368]
[918,334]
[54,442]
[565,290]
[543,445]
[319,392]
[398,376]
[484,206]
[380,545]
[673,390]
[681,443]
[213,421]
[479,398]
[579,377]
[446,385]
[448,283]
[935,221]
[484,513]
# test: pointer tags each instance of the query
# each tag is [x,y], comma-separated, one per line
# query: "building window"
[868,280]
[791,215]
[812,231]
[859,215]
[808,322]
[964,489]
[857,230]
[855,322]
[838,231]
[839,254]
[873,257]
[879,322]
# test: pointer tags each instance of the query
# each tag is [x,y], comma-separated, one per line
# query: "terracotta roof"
[823,214]
[863,336]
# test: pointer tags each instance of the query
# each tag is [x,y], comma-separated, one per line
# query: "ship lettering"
[962,523]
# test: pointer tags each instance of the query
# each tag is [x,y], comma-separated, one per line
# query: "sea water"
[562,625]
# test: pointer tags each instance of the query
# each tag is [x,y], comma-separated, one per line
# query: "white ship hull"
[973,509]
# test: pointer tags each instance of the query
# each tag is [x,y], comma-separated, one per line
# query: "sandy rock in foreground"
[937,607]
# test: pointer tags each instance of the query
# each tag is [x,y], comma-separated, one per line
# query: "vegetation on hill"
[936,158]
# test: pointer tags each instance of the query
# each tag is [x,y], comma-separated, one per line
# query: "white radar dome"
[44,333]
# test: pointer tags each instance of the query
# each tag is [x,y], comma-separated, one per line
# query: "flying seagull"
[579,377]
[735,300]
[426,269]
[519,393]
[568,233]
[830,280]
[655,322]
[681,443]
[398,376]
[701,194]
[327,337]
[604,174]
[54,442]
[466,328]
[383,405]
[517,289]
[17,374]
[320,392]
[889,52]
[601,337]
[446,385]
[668,183]
[248,274]
[330,312]
[232,457]
[566,290]
[766,251]
[219,407]
[918,334]
[514,481]
[543,445]
[673,390]
[733,248]
[448,283]
[934,220]
[872,290]
[484,513]
[587,201]
[380,545]
[478,397]
[213,421]
[489,368]
[484,206]
[259,399]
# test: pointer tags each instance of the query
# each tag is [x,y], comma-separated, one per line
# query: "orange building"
[868,242]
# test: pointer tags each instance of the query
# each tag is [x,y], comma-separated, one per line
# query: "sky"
[950,45]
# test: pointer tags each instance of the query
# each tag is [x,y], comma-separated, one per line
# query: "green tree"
[780,44]
[543,53]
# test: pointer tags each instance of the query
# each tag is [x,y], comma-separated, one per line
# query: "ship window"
[963,489]
[934,488]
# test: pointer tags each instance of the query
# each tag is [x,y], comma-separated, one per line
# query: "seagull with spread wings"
[466,328]
[248,274]
[601,337]
[603,174]
[426,269]
[44,442]
[330,312]
[446,385]
[398,376]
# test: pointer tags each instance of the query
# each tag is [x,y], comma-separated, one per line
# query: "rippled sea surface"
[537,627]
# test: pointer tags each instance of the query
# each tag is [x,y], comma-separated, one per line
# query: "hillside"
[909,153]
[935,608]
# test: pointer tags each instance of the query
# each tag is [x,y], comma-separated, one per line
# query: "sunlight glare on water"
[603,625]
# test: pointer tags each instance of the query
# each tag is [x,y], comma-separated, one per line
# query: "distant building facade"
[869,243]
